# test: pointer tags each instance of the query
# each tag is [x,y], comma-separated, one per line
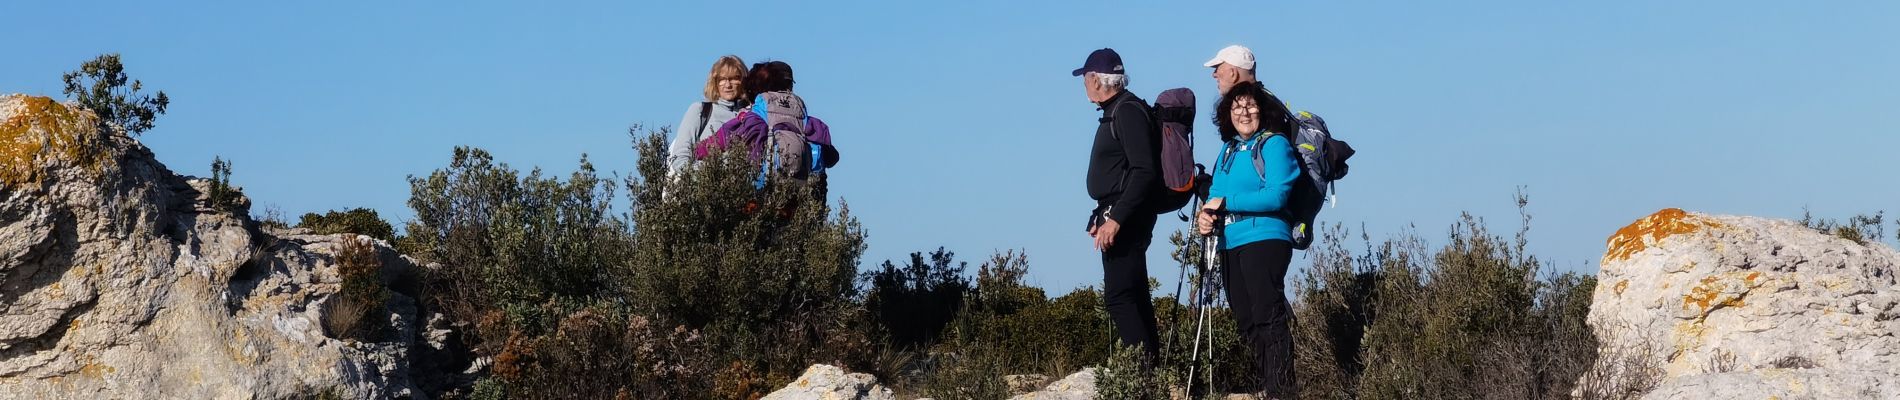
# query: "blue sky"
[960,126]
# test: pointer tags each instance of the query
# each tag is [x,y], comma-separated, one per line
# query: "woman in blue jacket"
[1252,177]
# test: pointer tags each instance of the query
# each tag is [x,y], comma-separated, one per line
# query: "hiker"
[1122,177]
[782,136]
[1250,194]
[722,101]
[1233,65]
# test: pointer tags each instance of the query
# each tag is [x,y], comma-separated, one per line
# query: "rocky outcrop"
[1705,306]
[120,279]
[1076,386]
[826,382]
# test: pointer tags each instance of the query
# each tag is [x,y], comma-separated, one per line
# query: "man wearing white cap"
[1232,66]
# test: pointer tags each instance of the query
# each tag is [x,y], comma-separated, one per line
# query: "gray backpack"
[787,154]
[1322,161]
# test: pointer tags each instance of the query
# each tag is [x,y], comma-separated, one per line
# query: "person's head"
[723,83]
[1102,75]
[1232,66]
[1247,109]
[769,76]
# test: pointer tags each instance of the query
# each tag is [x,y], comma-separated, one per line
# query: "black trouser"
[1256,285]
[1125,284]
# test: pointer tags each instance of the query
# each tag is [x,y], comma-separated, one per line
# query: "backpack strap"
[1226,160]
[1110,120]
[705,114]
[1113,109]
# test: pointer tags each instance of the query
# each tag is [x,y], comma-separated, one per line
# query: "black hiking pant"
[1255,274]
[1125,284]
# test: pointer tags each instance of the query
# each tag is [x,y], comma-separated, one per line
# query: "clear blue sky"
[961,127]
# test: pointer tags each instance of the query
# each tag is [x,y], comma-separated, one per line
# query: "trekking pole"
[1211,363]
[1174,313]
[1203,291]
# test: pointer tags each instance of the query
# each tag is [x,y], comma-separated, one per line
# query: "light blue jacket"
[1255,205]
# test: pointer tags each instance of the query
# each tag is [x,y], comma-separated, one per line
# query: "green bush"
[361,221]
[914,303]
[712,288]
[1859,228]
[768,275]
[1472,319]
[707,288]
[102,86]
[222,195]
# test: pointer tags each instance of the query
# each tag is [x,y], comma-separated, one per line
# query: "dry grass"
[361,295]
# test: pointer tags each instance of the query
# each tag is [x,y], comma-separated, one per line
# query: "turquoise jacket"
[1254,204]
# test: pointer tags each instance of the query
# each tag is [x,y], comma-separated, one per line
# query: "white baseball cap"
[1235,55]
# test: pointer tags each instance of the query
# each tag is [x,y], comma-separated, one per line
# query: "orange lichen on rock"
[1710,294]
[1620,285]
[1638,236]
[39,130]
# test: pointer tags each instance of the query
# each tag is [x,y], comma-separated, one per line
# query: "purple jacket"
[749,128]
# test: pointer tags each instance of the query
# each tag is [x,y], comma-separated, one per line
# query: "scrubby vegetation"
[708,288]
[1860,228]
[362,296]
[361,221]
[1476,318]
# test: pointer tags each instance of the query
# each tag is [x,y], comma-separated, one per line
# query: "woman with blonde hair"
[724,98]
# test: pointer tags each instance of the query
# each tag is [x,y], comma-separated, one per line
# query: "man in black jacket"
[1123,175]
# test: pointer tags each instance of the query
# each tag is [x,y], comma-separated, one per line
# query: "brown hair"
[769,76]
[1274,116]
[727,66]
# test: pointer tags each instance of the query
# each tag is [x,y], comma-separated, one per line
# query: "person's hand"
[1105,234]
[1204,221]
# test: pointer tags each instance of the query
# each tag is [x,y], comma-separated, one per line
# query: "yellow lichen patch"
[95,370]
[40,130]
[1620,285]
[1638,236]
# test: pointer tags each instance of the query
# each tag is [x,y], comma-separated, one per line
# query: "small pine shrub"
[222,195]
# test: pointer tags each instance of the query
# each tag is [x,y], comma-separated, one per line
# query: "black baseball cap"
[1103,61]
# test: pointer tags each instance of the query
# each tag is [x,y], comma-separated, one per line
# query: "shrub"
[361,221]
[222,195]
[361,296]
[707,287]
[914,303]
[1470,320]
[102,86]
[768,275]
[1859,228]
[1123,378]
